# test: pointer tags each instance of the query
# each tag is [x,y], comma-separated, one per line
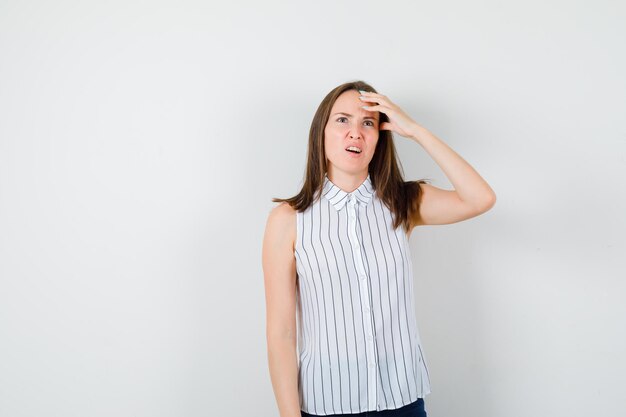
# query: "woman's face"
[349,125]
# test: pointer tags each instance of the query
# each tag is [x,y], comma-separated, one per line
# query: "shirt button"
[367,310]
[371,364]
[362,276]
[369,338]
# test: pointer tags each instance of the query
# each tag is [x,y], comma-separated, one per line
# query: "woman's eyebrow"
[349,115]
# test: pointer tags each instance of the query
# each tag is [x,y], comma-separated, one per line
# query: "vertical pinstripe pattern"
[358,342]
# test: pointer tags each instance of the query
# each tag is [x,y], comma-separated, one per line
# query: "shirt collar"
[339,197]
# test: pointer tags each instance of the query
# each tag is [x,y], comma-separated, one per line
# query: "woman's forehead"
[350,104]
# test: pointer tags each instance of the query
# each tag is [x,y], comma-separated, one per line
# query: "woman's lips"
[354,154]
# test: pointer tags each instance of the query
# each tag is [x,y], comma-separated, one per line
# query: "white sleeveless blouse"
[358,342]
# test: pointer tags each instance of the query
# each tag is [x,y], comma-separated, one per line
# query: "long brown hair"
[401,197]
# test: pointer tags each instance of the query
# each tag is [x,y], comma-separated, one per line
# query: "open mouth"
[353,149]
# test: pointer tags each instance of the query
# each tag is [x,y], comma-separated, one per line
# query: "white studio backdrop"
[141,143]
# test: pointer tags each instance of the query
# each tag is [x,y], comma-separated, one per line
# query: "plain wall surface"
[141,143]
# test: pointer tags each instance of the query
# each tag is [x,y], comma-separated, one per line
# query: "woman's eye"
[367,122]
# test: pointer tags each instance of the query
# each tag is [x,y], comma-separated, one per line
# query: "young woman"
[342,337]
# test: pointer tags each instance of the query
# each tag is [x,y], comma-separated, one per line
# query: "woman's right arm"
[279,269]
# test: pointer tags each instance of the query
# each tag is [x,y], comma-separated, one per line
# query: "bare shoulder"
[281,225]
[283,215]
[284,209]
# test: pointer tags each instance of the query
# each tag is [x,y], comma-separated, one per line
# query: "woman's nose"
[355,133]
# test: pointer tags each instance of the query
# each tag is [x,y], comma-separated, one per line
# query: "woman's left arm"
[471,196]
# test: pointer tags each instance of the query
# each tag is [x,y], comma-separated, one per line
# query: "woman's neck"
[348,182]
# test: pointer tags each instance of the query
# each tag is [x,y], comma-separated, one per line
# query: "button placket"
[371,360]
